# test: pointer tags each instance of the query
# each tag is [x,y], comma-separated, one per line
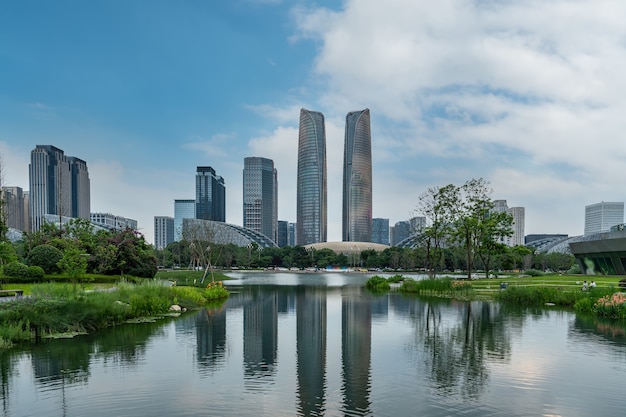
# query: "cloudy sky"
[528,94]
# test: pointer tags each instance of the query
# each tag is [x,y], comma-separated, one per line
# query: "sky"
[528,94]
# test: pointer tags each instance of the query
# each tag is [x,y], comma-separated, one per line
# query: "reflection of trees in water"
[602,331]
[8,360]
[454,339]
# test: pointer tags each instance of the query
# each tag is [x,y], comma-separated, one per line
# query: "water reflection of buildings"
[311,350]
[260,335]
[356,339]
[211,337]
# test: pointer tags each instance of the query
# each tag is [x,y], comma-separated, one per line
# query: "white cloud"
[527,94]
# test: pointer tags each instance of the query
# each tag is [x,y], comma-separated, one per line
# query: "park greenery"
[604,300]
[66,309]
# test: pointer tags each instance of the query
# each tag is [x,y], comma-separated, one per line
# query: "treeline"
[75,249]
[180,254]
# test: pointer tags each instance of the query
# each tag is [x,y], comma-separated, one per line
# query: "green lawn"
[559,281]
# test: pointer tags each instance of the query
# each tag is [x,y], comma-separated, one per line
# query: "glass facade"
[311,205]
[210,195]
[260,196]
[380,231]
[183,209]
[357,178]
[602,253]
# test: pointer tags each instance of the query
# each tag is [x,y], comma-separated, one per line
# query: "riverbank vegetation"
[67,309]
[604,299]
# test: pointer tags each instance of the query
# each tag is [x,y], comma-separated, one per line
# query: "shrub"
[45,256]
[574,270]
[533,272]
[377,284]
[16,270]
[35,273]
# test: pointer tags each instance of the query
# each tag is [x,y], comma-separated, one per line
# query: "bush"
[16,270]
[377,284]
[45,256]
[533,272]
[35,273]
[574,270]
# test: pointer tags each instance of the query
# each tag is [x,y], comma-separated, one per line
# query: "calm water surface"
[318,344]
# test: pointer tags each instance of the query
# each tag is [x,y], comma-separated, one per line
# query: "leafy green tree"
[133,255]
[73,263]
[439,205]
[46,256]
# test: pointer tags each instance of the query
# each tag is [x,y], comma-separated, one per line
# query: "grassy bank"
[55,309]
[189,277]
[561,290]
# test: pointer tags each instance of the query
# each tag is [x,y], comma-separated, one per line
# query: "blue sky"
[529,95]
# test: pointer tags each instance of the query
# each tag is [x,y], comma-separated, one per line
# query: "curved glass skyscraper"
[357,178]
[311,194]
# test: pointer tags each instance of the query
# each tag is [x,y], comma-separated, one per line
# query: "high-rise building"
[163,231]
[13,210]
[518,225]
[292,234]
[601,216]
[183,209]
[260,196]
[59,185]
[380,231]
[357,178]
[210,195]
[517,238]
[401,231]
[283,234]
[311,204]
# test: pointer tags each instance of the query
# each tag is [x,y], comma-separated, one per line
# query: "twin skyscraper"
[312,194]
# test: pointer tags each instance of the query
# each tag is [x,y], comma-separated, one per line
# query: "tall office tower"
[80,188]
[59,185]
[380,231]
[163,231]
[517,238]
[260,196]
[311,204]
[183,209]
[357,178]
[292,234]
[13,211]
[418,224]
[283,234]
[601,216]
[401,231]
[210,195]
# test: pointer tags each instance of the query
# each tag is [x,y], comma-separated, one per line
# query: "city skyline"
[145,92]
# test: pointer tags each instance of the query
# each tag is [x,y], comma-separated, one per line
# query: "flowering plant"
[611,306]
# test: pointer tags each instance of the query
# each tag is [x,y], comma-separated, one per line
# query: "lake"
[318,344]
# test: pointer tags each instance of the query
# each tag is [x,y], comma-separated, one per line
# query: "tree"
[439,205]
[73,263]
